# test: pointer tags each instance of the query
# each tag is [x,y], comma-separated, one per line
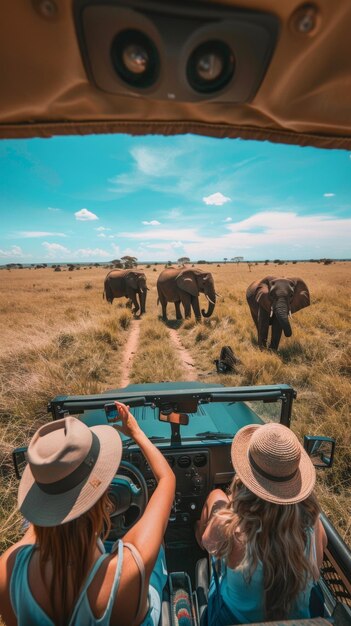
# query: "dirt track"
[131,348]
[129,351]
[190,372]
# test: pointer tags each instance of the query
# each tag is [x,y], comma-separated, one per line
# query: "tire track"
[120,365]
[129,351]
[184,356]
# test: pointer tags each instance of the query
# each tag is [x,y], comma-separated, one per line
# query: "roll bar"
[186,400]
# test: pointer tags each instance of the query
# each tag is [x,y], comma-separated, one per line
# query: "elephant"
[271,301]
[183,286]
[128,284]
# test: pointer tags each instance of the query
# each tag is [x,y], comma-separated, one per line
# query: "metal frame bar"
[62,405]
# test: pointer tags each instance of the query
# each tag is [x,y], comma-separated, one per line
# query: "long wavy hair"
[274,534]
[69,549]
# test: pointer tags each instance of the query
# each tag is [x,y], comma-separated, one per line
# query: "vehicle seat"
[202,581]
[166,608]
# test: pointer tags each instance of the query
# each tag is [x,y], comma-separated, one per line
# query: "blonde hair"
[72,546]
[274,534]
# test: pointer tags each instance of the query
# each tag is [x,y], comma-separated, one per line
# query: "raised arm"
[147,534]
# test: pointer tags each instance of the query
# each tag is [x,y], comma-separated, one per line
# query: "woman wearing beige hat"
[265,534]
[58,574]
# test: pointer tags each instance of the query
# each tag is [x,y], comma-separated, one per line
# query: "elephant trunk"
[281,311]
[142,298]
[211,305]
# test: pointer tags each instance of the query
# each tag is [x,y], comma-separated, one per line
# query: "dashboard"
[197,471]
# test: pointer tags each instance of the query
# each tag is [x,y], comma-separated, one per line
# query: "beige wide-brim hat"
[69,468]
[272,464]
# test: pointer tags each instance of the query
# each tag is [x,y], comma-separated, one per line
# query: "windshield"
[245,232]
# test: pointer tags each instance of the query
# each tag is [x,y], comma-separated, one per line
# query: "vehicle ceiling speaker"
[180,51]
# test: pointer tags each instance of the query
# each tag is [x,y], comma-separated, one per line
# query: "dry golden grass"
[316,360]
[59,336]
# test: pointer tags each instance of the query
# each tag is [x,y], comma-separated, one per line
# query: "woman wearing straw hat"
[266,534]
[58,573]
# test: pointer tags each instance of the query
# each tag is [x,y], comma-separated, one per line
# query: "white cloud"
[92,253]
[57,251]
[55,248]
[101,228]
[154,161]
[102,235]
[15,251]
[51,208]
[273,234]
[329,195]
[152,223]
[28,234]
[164,234]
[216,198]
[85,216]
[227,219]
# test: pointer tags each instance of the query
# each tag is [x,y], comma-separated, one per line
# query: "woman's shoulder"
[217,531]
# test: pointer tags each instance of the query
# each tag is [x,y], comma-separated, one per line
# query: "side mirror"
[320,450]
[19,457]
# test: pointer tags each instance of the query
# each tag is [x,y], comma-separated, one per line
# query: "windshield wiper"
[208,434]
[129,441]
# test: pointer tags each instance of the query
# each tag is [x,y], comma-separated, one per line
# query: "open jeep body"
[302,96]
[199,454]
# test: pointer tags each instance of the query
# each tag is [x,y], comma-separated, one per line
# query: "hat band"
[278,479]
[78,475]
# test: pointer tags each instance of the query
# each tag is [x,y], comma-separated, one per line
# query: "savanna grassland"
[60,337]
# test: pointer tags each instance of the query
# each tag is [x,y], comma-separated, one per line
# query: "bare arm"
[7,561]
[147,534]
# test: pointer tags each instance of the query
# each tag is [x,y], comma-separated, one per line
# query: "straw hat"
[271,462]
[69,467]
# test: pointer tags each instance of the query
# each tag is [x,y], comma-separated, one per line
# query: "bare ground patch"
[190,371]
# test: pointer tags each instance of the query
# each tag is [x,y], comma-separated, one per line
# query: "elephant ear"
[301,297]
[187,282]
[132,280]
[262,291]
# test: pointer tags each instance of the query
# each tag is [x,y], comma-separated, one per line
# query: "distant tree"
[201,262]
[184,259]
[96,264]
[237,259]
[266,262]
[129,261]
[327,261]
[225,259]
[294,262]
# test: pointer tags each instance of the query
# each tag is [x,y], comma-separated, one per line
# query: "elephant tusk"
[218,295]
[271,313]
[209,299]
[289,313]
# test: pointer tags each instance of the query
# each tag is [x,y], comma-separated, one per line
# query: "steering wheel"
[129,496]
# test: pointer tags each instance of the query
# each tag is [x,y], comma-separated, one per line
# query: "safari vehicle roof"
[305,96]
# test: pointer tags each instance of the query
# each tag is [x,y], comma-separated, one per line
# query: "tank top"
[29,613]
[245,600]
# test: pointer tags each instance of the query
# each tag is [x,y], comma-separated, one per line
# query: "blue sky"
[98,198]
